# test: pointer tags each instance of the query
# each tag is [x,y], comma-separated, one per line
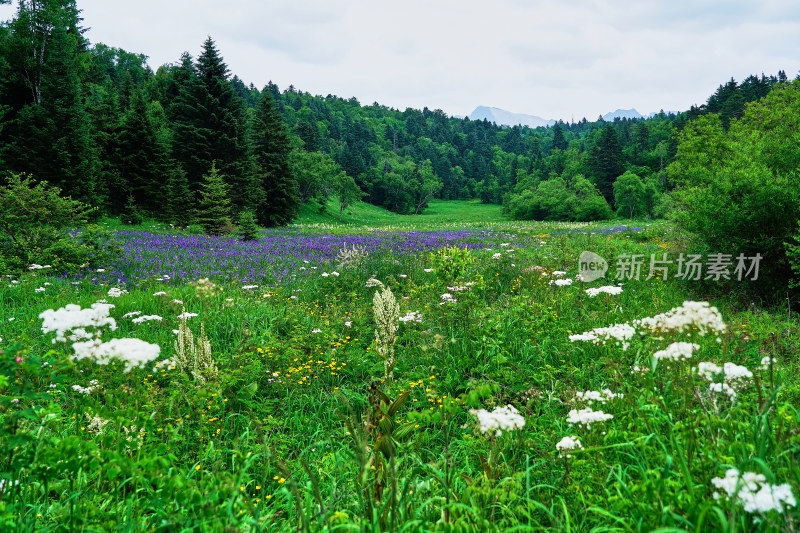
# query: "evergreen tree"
[558,137]
[180,200]
[214,207]
[279,203]
[209,125]
[143,156]
[50,135]
[606,162]
[248,230]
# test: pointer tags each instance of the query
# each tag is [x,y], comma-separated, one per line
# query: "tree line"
[100,124]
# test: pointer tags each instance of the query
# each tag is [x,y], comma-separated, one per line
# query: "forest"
[99,123]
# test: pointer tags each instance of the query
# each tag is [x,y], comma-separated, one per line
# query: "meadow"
[446,372]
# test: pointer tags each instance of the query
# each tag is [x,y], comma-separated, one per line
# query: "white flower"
[753,492]
[458,288]
[293,297]
[132,313]
[372,282]
[501,419]
[349,324]
[334,273]
[179,302]
[504,244]
[325,274]
[249,287]
[72,317]
[146,318]
[609,289]
[689,316]
[766,361]
[402,275]
[677,351]
[427,269]
[561,282]
[497,256]
[448,298]
[591,396]
[568,444]
[133,352]
[100,270]
[115,292]
[621,333]
[186,315]
[85,390]
[40,289]
[411,316]
[559,273]
[587,417]
[316,331]
[159,293]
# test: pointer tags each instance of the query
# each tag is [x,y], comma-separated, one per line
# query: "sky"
[554,59]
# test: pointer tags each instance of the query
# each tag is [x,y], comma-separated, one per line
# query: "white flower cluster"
[587,417]
[115,292]
[86,390]
[497,256]
[132,313]
[591,396]
[561,282]
[317,330]
[501,419]
[690,315]
[334,273]
[411,316]
[753,492]
[567,444]
[427,269]
[145,318]
[734,377]
[186,314]
[166,363]
[608,289]
[72,317]
[677,351]
[249,287]
[462,288]
[38,267]
[132,352]
[766,361]
[448,298]
[621,333]
[372,282]
[39,289]
[159,293]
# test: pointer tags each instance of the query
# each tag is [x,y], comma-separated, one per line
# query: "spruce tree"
[606,162]
[279,203]
[248,230]
[180,200]
[214,207]
[209,125]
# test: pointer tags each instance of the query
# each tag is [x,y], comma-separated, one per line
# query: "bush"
[248,230]
[739,190]
[34,229]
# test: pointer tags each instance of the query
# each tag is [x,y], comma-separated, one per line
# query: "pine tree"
[180,201]
[248,230]
[606,162]
[280,202]
[50,135]
[209,125]
[214,208]
[143,156]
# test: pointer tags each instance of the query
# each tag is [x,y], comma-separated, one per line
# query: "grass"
[296,430]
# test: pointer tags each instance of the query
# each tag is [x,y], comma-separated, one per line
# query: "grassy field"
[343,391]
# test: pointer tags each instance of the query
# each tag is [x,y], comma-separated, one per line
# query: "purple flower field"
[271,259]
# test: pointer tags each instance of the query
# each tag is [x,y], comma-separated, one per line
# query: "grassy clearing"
[295,427]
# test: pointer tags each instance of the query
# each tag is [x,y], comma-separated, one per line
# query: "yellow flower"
[197,467]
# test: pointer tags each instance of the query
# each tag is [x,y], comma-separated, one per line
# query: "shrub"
[248,230]
[34,228]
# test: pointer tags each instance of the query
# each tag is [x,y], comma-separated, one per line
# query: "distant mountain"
[502,117]
[622,113]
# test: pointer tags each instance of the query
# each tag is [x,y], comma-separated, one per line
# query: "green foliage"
[554,199]
[739,190]
[248,230]
[214,207]
[131,215]
[34,228]
[629,195]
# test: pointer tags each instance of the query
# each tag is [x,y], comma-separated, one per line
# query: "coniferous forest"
[102,125]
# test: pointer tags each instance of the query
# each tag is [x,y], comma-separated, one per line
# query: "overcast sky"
[555,59]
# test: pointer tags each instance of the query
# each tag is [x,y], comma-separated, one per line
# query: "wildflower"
[753,492]
[159,293]
[501,419]
[596,396]
[690,315]
[448,298]
[609,289]
[411,316]
[497,256]
[568,444]
[178,302]
[587,417]
[325,274]
[132,352]
[427,269]
[559,273]
[621,333]
[766,361]
[186,315]
[249,287]
[145,318]
[677,351]
[316,331]
[561,282]
[386,313]
[372,282]
[86,390]
[115,292]
[72,317]
[348,323]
